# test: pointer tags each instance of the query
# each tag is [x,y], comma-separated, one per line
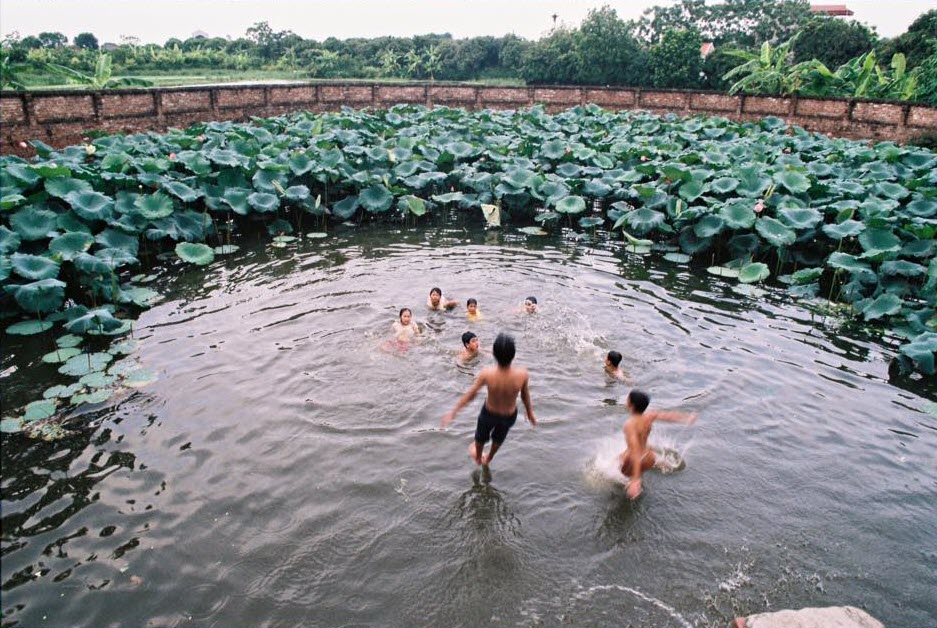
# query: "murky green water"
[284,470]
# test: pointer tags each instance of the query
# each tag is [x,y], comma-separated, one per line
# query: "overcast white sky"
[155,21]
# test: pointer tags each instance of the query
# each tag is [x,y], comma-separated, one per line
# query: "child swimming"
[471,310]
[435,301]
[406,328]
[612,368]
[470,347]
[499,411]
[638,457]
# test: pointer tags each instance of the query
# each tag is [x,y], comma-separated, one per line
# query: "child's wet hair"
[467,338]
[471,302]
[638,400]
[532,300]
[402,310]
[436,290]
[504,349]
[615,358]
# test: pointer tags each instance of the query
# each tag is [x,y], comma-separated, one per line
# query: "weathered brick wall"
[61,118]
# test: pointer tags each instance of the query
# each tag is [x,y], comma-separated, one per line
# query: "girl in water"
[406,328]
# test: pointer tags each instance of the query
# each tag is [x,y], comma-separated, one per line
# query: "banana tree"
[763,73]
[101,79]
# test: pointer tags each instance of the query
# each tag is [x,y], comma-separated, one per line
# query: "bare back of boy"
[637,431]
[504,385]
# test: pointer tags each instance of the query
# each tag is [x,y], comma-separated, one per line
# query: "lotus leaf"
[412,204]
[535,231]
[723,271]
[449,197]
[316,235]
[709,226]
[116,258]
[376,198]
[9,240]
[187,225]
[568,170]
[123,368]
[99,318]
[847,262]
[68,340]
[153,206]
[85,363]
[806,275]
[31,223]
[224,157]
[754,273]
[60,355]
[45,295]
[738,214]
[97,379]
[263,202]
[554,149]
[692,189]
[68,245]
[92,265]
[114,239]
[519,178]
[59,392]
[691,243]
[37,410]
[296,193]
[571,205]
[752,181]
[800,217]
[903,268]
[282,240]
[919,248]
[34,266]
[98,396]
[587,222]
[921,349]
[775,232]
[890,190]
[279,227]
[6,267]
[124,347]
[122,328]
[346,208]
[141,297]
[724,185]
[795,182]
[199,254]
[922,207]
[140,378]
[878,241]
[61,187]
[845,229]
[678,258]
[28,328]
[11,426]
[884,305]
[91,205]
[71,223]
[26,176]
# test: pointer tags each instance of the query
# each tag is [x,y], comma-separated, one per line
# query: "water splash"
[670,610]
[604,467]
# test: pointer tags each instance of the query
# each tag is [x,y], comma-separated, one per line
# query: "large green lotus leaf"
[97,396]
[199,254]
[31,223]
[92,320]
[921,349]
[279,227]
[11,426]
[9,240]
[551,191]
[139,378]
[376,198]
[45,295]
[800,217]
[10,201]
[91,205]
[91,265]
[34,266]
[268,181]
[153,206]
[676,172]
[919,248]
[194,161]
[753,273]
[459,150]
[189,226]
[890,190]
[903,268]
[922,207]
[568,170]
[296,193]
[98,379]
[845,229]
[884,305]
[738,214]
[28,328]
[38,410]
[847,262]
[709,226]
[182,191]
[775,232]
[61,187]
[795,182]
[411,204]
[115,239]
[85,363]
[61,391]
[300,164]
[236,199]
[692,189]
[6,268]
[67,246]
[677,258]
[554,149]
[724,185]
[116,258]
[60,355]
[224,157]
[587,222]
[571,205]
[596,188]
[519,178]
[806,275]
[25,176]
[345,208]
[124,326]
[71,223]
[449,197]
[124,347]
[752,181]
[68,341]
[691,243]
[744,245]
[263,202]
[879,241]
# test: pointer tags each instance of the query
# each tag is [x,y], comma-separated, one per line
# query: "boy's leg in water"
[626,463]
[475,451]
[495,445]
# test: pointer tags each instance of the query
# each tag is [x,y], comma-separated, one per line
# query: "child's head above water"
[405,315]
[530,304]
[467,338]
[613,358]
[471,306]
[435,295]
[504,350]
[638,401]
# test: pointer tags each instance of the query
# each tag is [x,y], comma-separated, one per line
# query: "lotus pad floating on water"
[60,355]
[28,328]
[199,254]
[678,258]
[11,426]
[62,391]
[97,380]
[98,396]
[85,363]
[42,409]
[140,378]
[124,347]
[316,235]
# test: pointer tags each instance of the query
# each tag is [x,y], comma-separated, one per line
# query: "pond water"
[285,470]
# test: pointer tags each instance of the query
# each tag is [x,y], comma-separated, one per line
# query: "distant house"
[109,46]
[204,35]
[837,10]
[707,49]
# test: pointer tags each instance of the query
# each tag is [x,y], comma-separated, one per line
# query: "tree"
[86,41]
[915,43]
[676,60]
[609,53]
[553,59]
[52,40]
[764,72]
[832,41]
[101,79]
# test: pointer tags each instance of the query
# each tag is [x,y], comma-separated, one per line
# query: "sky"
[155,21]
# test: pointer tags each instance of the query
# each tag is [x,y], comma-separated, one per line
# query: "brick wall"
[60,118]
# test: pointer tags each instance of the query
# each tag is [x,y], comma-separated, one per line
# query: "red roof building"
[831,9]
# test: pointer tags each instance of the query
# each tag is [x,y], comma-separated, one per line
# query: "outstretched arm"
[672,417]
[449,417]
[525,397]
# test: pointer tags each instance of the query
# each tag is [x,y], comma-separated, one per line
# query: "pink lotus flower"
[23,144]
[643,157]
[201,138]
[172,156]
[759,207]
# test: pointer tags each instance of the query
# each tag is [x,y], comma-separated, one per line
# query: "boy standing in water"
[638,457]
[499,411]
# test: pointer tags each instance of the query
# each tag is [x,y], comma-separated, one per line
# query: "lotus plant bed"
[852,222]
